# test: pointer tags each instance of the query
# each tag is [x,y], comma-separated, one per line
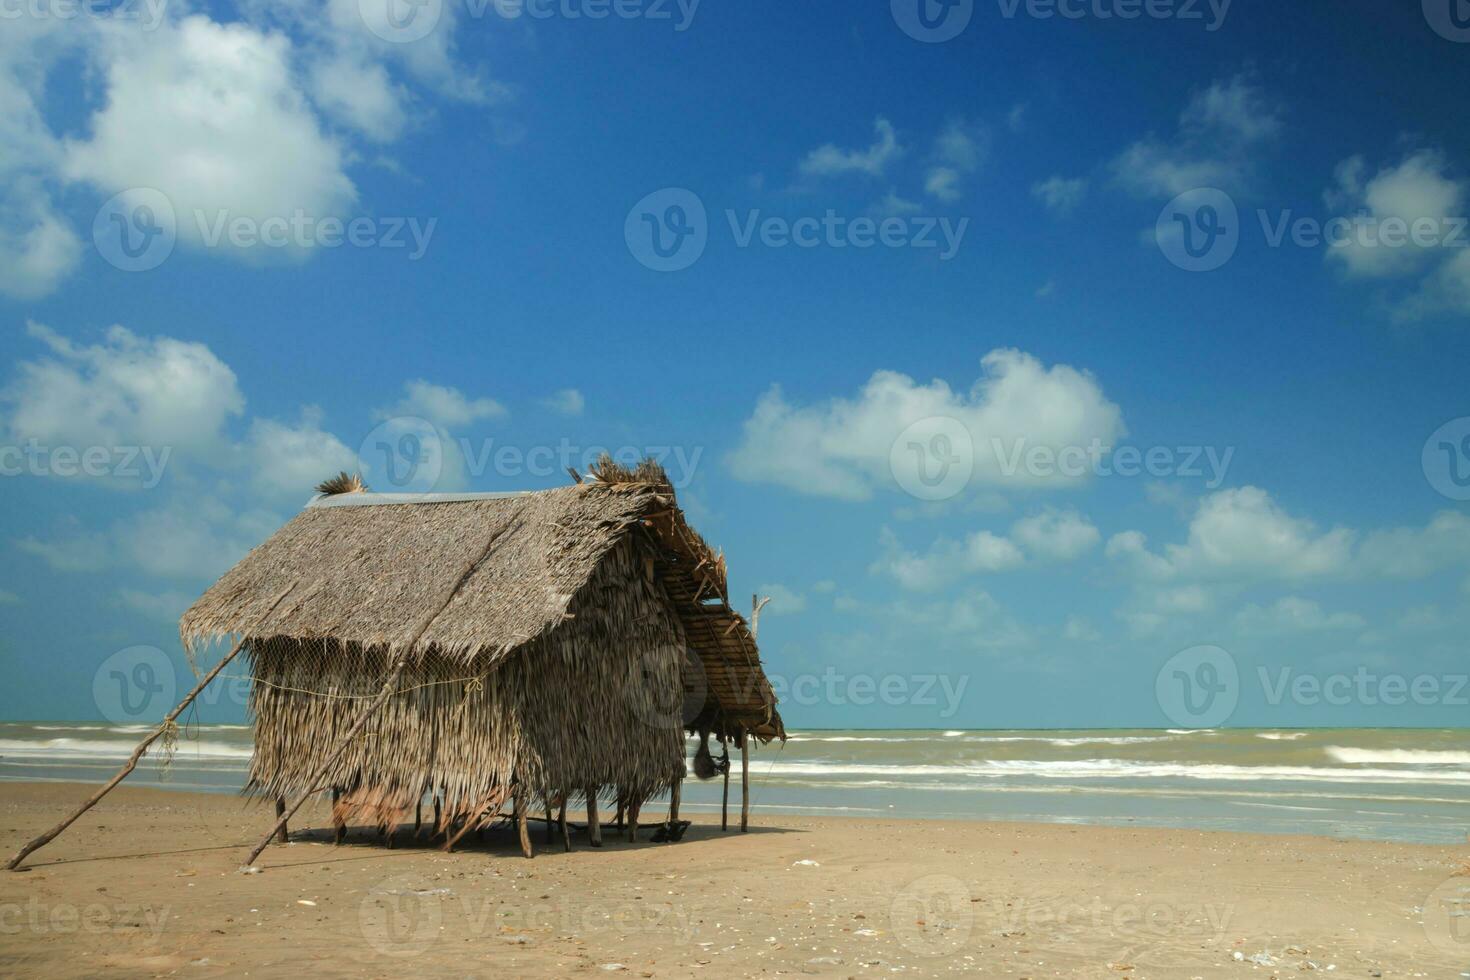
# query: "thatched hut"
[551,645]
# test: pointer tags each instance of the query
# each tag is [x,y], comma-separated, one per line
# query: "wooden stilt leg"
[521,826]
[281,812]
[418,816]
[744,781]
[674,801]
[438,817]
[594,828]
[566,837]
[387,832]
[725,798]
[618,820]
[339,826]
[550,828]
[634,805]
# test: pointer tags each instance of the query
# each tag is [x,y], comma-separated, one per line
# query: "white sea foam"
[1122,769]
[1397,757]
[1281,736]
[86,748]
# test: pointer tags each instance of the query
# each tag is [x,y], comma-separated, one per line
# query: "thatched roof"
[367,568]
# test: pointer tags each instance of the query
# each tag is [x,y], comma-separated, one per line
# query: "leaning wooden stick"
[390,684]
[132,762]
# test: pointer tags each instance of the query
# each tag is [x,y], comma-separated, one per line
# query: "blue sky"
[1067,157]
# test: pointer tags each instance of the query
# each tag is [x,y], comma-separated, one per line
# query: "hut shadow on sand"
[480,653]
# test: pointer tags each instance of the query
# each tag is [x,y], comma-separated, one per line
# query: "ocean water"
[1383,784]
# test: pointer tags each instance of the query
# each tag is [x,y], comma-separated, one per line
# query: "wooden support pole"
[634,805]
[674,801]
[744,781]
[618,820]
[438,817]
[566,838]
[281,835]
[418,815]
[492,802]
[594,826]
[316,777]
[390,684]
[550,829]
[725,797]
[339,826]
[525,831]
[132,762]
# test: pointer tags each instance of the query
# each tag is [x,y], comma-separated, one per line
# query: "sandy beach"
[147,884]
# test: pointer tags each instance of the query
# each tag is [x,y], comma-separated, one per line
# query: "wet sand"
[148,884]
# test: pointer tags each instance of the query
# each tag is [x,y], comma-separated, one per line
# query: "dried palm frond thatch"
[343,482]
[557,665]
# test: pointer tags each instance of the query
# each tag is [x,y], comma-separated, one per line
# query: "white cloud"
[164,606]
[831,160]
[960,149]
[894,206]
[1078,630]
[1060,194]
[1243,535]
[37,248]
[975,620]
[289,461]
[568,401]
[784,601]
[1220,132]
[841,447]
[946,560]
[1417,189]
[359,94]
[1293,614]
[76,552]
[444,406]
[1055,534]
[126,391]
[210,115]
